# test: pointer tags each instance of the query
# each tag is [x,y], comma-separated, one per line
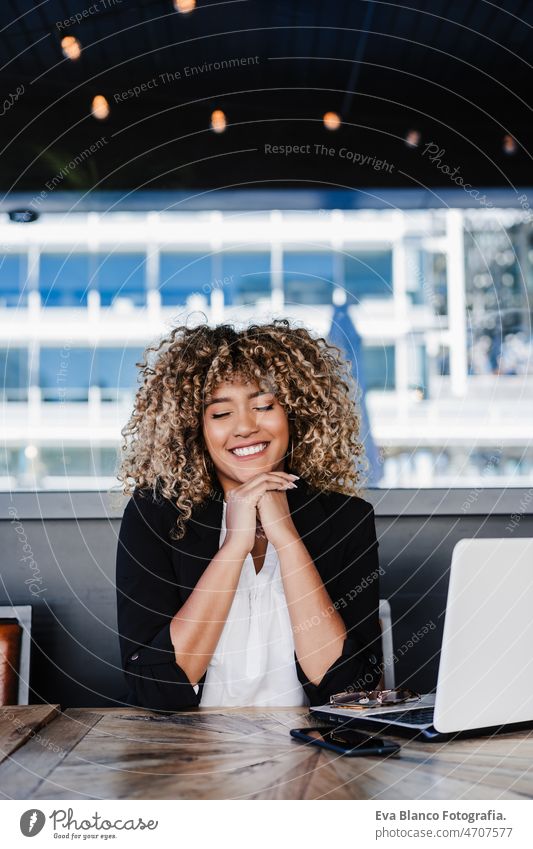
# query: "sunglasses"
[373,698]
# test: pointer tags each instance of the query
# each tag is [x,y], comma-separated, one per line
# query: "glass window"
[308,278]
[245,277]
[76,461]
[64,279]
[114,368]
[11,461]
[443,361]
[378,367]
[183,274]
[120,275]
[420,373]
[64,373]
[426,279]
[497,298]
[68,460]
[417,368]
[416,283]
[13,270]
[367,274]
[14,373]
[436,292]
[109,461]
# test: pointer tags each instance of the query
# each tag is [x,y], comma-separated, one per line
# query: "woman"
[247,564]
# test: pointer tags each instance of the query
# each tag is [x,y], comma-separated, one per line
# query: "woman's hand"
[242,507]
[276,519]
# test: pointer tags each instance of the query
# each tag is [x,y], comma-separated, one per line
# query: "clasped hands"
[260,504]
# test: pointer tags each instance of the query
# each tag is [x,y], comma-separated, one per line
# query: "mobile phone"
[346,741]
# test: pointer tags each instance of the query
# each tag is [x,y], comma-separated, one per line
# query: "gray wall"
[68,577]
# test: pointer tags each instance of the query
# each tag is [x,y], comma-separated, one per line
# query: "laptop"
[485,678]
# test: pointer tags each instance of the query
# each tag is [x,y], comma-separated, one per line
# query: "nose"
[245,422]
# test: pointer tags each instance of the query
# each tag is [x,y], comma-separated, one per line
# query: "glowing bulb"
[218,121]
[100,107]
[332,121]
[184,6]
[509,145]
[31,452]
[412,139]
[71,47]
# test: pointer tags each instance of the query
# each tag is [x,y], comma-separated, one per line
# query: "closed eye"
[261,410]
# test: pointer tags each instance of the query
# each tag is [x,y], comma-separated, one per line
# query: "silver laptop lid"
[486,663]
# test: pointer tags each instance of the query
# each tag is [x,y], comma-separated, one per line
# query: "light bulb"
[218,121]
[332,121]
[100,107]
[71,47]
[412,138]
[184,6]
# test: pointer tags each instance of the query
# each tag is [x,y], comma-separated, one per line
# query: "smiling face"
[246,432]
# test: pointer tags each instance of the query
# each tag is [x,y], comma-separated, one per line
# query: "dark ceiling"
[458,72]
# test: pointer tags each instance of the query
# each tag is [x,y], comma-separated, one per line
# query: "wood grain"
[22,773]
[247,753]
[19,722]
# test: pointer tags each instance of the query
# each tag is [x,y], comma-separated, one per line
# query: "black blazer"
[155,575]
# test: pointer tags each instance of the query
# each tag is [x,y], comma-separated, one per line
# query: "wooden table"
[236,753]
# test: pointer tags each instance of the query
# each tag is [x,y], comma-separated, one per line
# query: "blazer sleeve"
[147,599]
[354,592]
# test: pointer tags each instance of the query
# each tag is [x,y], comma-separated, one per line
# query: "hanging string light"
[509,145]
[100,107]
[332,120]
[218,121]
[412,138]
[71,47]
[184,6]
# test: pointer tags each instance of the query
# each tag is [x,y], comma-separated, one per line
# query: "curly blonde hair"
[164,448]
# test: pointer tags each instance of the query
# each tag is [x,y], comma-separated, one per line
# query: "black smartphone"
[346,741]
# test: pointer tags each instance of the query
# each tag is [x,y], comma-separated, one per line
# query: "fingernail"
[296,477]
[293,486]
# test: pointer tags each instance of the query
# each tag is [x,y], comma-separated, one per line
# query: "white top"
[253,663]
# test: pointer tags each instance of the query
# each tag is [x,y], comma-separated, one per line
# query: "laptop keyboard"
[417,716]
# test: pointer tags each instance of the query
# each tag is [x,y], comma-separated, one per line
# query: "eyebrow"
[225,399]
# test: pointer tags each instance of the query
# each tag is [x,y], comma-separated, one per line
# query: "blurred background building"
[440,302]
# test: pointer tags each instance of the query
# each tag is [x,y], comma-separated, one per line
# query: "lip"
[250,456]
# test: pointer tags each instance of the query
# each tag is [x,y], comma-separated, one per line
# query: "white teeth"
[251,449]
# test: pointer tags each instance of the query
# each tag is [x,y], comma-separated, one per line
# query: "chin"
[250,471]
[245,472]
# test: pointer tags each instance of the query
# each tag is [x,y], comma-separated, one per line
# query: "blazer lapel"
[200,543]
[311,519]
